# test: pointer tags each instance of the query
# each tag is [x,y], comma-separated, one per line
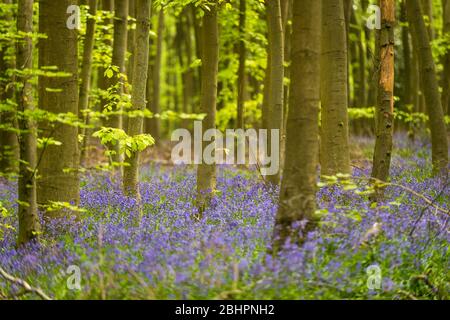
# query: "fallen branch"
[431,203]
[25,285]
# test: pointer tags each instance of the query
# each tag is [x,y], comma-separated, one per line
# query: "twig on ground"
[25,285]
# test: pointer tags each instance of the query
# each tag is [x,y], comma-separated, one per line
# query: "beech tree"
[206,173]
[29,226]
[86,73]
[446,73]
[58,179]
[297,202]
[421,42]
[276,69]
[334,150]
[138,95]
[119,61]
[8,139]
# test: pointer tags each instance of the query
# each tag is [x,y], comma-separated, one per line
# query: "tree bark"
[8,139]
[102,80]
[434,109]
[206,173]
[85,76]
[385,106]
[334,149]
[58,167]
[118,60]
[298,187]
[135,124]
[28,215]
[446,75]
[427,10]
[276,91]
[155,108]
[406,44]
[241,70]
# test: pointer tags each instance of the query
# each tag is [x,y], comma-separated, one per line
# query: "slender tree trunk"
[298,187]
[407,81]
[385,107]
[241,71]
[427,10]
[58,167]
[334,149]
[430,86]
[28,215]
[131,44]
[85,76]
[135,124]
[265,118]
[155,125]
[266,93]
[102,80]
[8,139]
[276,91]
[446,75]
[206,173]
[415,79]
[131,40]
[348,8]
[118,60]
[189,75]
[287,28]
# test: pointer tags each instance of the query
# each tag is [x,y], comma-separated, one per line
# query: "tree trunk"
[8,139]
[135,124]
[102,80]
[118,60]
[28,215]
[406,44]
[427,10]
[430,86]
[131,44]
[86,72]
[334,149]
[276,91]
[298,187]
[155,125]
[206,173]
[131,41]
[446,75]
[58,168]
[287,30]
[241,71]
[385,106]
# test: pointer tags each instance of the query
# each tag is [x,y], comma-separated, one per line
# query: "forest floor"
[395,249]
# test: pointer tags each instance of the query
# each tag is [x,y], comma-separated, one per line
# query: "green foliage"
[127,144]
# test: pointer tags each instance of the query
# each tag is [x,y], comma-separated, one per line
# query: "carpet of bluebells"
[161,252]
